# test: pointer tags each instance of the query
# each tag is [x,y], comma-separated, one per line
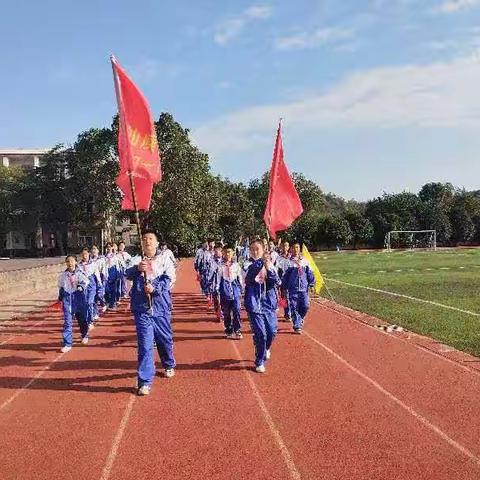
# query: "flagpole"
[130,176]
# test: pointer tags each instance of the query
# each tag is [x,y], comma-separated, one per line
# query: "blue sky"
[377,95]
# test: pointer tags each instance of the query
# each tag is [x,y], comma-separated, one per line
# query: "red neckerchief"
[301,272]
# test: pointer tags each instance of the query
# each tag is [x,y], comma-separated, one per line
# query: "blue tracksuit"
[72,287]
[230,288]
[261,304]
[90,269]
[99,261]
[202,266]
[124,262]
[213,282]
[296,281]
[153,325]
[112,266]
[282,263]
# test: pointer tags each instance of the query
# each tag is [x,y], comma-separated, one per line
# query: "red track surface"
[343,401]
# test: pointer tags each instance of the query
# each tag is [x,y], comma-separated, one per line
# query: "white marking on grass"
[453,443]
[32,380]
[444,268]
[398,271]
[408,297]
[107,469]
[287,457]
[381,271]
[429,269]
[461,268]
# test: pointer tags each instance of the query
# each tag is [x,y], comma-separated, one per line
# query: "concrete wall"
[15,284]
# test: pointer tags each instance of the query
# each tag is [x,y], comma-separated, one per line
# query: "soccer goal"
[411,240]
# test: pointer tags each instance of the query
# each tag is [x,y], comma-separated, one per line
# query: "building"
[30,237]
[35,240]
[27,158]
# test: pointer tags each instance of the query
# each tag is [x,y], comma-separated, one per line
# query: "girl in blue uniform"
[72,285]
[296,282]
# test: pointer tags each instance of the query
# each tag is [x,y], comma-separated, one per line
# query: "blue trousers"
[264,328]
[231,314]
[72,309]
[298,303]
[152,328]
[111,293]
[90,296]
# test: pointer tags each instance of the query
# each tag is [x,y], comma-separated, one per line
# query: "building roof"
[24,151]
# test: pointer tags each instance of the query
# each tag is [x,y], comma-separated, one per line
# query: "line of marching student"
[267,276]
[255,270]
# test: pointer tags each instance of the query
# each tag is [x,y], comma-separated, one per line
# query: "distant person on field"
[72,286]
[214,272]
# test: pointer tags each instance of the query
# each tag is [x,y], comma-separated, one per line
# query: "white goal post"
[429,237]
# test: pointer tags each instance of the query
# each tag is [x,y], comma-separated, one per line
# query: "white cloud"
[319,37]
[259,11]
[443,95]
[233,27]
[451,6]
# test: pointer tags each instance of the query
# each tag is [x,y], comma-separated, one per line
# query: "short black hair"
[218,245]
[257,240]
[71,256]
[150,231]
[108,244]
[94,246]
[85,249]
[121,241]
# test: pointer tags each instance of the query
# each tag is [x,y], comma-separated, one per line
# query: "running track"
[343,401]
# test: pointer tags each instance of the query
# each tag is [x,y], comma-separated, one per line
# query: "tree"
[334,230]
[92,165]
[11,184]
[47,196]
[360,226]
[185,205]
[464,206]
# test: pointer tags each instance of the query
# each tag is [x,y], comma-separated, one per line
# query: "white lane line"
[453,443]
[399,339]
[287,457]
[408,297]
[107,469]
[444,268]
[32,380]
[381,271]
[29,329]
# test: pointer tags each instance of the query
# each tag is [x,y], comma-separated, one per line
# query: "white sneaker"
[260,369]
[238,335]
[104,309]
[143,390]
[96,317]
[84,340]
[229,335]
[91,327]
[66,348]
[169,372]
[268,354]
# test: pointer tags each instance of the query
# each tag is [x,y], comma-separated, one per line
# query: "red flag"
[137,143]
[283,203]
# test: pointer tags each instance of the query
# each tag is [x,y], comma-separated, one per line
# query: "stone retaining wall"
[18,283]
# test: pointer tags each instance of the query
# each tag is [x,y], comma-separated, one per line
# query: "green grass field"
[448,276]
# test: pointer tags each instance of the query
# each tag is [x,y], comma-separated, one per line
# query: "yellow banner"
[319,282]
